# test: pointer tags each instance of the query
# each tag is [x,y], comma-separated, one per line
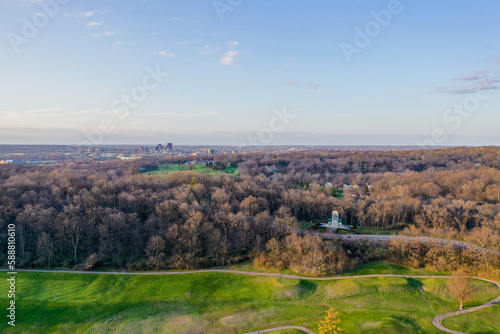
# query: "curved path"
[439,319]
[275,329]
[376,237]
[436,321]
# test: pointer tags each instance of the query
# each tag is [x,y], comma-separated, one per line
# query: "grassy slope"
[485,321]
[365,269]
[226,303]
[392,269]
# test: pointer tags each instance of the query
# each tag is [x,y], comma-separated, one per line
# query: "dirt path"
[437,321]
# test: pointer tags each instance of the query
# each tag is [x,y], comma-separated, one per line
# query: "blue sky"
[422,74]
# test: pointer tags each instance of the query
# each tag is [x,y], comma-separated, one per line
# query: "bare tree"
[45,249]
[460,287]
[156,251]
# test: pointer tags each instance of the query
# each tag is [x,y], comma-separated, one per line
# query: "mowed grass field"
[232,303]
[484,321]
[199,168]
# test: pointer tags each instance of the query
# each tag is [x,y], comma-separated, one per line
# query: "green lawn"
[199,168]
[228,303]
[377,268]
[481,322]
[364,230]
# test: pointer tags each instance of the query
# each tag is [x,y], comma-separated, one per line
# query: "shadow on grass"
[415,283]
[306,288]
[302,290]
[408,324]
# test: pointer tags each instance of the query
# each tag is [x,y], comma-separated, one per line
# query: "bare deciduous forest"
[114,215]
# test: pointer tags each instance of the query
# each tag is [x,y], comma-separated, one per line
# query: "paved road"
[430,240]
[436,321]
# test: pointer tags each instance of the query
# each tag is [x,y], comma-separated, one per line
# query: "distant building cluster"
[169,148]
[209,151]
[26,162]
[55,154]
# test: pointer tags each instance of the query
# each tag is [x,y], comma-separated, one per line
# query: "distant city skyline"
[228,72]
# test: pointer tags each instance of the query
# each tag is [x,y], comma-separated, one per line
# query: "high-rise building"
[170,147]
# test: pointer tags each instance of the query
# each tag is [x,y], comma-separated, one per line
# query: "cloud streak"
[94,24]
[164,53]
[476,82]
[308,84]
[81,14]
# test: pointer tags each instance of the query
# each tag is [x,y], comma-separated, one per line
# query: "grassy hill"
[230,303]
[485,321]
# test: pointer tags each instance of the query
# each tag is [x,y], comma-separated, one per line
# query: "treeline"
[319,166]
[310,255]
[67,217]
[451,200]
[114,215]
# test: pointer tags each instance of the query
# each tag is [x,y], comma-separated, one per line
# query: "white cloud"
[94,24]
[229,58]
[81,14]
[117,44]
[179,18]
[164,53]
[85,14]
[209,50]
[106,33]
[43,111]
[233,43]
